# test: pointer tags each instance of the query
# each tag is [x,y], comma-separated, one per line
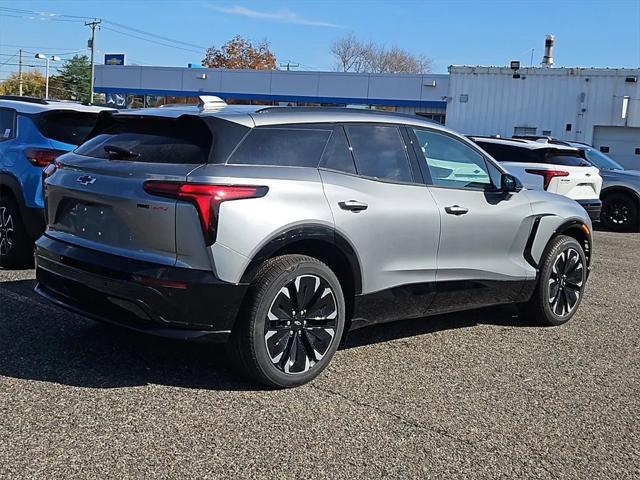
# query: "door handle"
[456,210]
[353,205]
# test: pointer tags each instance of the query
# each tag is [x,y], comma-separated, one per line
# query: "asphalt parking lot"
[475,395]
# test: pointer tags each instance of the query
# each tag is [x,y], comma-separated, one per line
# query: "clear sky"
[588,33]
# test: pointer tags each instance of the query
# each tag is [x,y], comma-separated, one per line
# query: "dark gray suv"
[277,230]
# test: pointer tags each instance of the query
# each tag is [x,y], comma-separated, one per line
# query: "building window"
[524,131]
[604,149]
[546,133]
[568,127]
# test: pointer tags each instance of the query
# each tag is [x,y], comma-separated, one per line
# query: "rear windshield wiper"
[119,152]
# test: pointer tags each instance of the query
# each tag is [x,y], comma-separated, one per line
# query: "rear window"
[184,140]
[65,126]
[565,159]
[285,147]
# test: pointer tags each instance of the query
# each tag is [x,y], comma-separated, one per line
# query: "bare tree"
[354,55]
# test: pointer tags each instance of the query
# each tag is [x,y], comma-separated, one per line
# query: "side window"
[507,153]
[7,124]
[285,147]
[451,162]
[380,152]
[337,155]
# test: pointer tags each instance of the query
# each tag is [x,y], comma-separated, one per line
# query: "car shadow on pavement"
[39,341]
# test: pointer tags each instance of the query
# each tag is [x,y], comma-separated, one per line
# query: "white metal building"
[599,106]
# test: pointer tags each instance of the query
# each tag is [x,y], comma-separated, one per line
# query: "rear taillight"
[206,198]
[41,157]
[547,175]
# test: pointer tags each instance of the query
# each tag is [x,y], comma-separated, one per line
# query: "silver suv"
[278,230]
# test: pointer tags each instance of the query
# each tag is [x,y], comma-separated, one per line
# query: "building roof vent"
[547,60]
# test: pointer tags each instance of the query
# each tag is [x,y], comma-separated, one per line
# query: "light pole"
[53,58]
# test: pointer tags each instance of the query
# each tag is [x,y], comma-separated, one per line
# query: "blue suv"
[33,133]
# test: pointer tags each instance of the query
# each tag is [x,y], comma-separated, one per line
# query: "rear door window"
[7,124]
[65,126]
[185,140]
[380,152]
[337,155]
[284,147]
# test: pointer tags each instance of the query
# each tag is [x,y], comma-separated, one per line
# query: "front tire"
[16,248]
[619,212]
[563,274]
[291,323]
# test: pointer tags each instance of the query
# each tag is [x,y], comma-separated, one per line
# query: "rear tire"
[291,323]
[619,212]
[563,273]
[16,247]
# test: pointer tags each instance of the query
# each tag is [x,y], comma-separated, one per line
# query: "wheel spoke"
[572,262]
[298,360]
[306,287]
[318,340]
[277,341]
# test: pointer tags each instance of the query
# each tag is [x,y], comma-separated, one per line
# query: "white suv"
[555,168]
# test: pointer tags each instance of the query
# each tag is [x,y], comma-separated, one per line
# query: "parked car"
[555,168]
[277,230]
[620,192]
[33,133]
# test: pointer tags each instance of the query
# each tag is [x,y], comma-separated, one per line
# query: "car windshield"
[602,161]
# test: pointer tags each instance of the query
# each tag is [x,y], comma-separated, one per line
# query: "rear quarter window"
[65,126]
[285,147]
[7,124]
[185,140]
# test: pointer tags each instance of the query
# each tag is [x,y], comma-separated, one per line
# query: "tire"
[560,285]
[619,212]
[279,343]
[16,248]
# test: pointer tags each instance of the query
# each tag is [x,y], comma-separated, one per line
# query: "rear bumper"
[592,207]
[155,299]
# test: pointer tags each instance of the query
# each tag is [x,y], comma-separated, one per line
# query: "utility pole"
[289,65]
[92,45]
[20,73]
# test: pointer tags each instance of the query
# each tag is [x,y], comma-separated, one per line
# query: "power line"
[152,41]
[161,37]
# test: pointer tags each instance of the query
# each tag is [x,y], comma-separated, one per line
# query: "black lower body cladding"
[156,299]
[592,207]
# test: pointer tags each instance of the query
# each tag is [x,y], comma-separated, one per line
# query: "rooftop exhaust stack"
[547,60]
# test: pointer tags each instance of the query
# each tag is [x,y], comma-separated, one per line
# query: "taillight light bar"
[547,175]
[41,157]
[205,197]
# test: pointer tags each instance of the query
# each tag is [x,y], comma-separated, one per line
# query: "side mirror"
[509,183]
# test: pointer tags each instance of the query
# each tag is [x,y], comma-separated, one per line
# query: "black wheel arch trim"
[563,228]
[621,189]
[302,233]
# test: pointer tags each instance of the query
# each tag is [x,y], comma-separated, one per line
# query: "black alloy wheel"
[301,324]
[561,282]
[566,282]
[291,323]
[619,212]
